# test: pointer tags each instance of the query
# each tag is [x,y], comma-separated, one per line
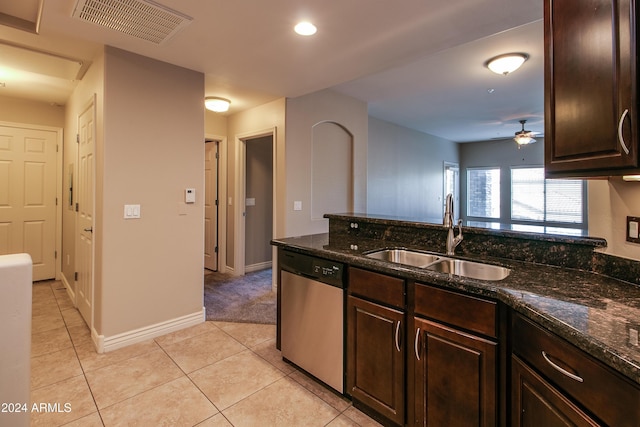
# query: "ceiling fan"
[524,137]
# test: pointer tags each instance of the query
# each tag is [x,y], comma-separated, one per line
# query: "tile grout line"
[192,382]
[84,375]
[245,347]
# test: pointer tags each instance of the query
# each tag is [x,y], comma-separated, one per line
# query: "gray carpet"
[245,299]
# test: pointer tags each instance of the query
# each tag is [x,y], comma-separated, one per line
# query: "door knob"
[90,229]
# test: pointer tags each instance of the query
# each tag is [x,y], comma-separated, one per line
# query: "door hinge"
[217,156]
[55,254]
[56,201]
[77,138]
[216,202]
[75,276]
[215,250]
[57,148]
[77,207]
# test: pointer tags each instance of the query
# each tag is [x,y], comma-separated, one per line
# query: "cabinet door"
[536,403]
[455,377]
[375,353]
[590,87]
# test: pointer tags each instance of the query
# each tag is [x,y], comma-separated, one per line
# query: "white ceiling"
[418,63]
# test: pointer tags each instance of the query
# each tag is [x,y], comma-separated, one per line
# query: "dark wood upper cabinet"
[590,77]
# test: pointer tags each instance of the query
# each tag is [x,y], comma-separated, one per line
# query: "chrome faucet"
[448,211]
[452,241]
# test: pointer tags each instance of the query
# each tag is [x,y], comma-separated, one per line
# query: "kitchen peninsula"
[581,305]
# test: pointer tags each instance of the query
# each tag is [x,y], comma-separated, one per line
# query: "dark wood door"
[536,403]
[455,377]
[590,109]
[375,357]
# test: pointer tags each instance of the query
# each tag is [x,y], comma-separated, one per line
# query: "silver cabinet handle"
[398,336]
[561,370]
[620,137]
[415,344]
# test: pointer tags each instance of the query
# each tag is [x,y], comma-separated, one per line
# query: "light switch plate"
[297,205]
[131,211]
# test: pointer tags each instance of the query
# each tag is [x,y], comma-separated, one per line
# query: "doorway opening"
[254,217]
[452,186]
[258,203]
[211,203]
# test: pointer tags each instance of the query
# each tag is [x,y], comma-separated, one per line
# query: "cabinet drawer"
[601,391]
[464,311]
[376,286]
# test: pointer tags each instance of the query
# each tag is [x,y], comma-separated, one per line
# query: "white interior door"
[211,205]
[84,244]
[28,196]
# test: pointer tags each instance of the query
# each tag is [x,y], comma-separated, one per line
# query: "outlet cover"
[633,229]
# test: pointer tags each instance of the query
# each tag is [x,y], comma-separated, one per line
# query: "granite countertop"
[594,312]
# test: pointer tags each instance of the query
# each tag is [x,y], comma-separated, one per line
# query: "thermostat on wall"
[190,195]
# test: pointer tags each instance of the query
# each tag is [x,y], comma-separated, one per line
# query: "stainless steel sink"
[474,270]
[405,256]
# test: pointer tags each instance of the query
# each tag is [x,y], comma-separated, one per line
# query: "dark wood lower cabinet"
[455,377]
[536,403]
[375,358]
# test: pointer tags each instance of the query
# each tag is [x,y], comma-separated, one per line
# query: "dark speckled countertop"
[596,313]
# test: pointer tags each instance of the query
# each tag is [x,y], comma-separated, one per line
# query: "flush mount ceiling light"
[524,137]
[219,105]
[305,28]
[507,63]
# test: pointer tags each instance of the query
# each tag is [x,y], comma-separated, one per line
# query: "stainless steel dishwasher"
[312,316]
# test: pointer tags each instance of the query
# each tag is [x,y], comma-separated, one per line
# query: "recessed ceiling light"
[305,28]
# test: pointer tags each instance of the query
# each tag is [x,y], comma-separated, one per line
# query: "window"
[483,192]
[522,199]
[536,199]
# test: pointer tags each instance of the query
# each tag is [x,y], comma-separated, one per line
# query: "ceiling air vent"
[143,19]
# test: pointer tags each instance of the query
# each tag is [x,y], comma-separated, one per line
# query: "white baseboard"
[105,344]
[257,267]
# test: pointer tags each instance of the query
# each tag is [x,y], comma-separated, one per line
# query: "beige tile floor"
[213,374]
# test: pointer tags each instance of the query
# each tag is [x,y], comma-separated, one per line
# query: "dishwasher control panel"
[323,270]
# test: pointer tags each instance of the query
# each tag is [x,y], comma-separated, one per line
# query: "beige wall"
[302,114]
[18,110]
[150,269]
[405,171]
[215,123]
[610,202]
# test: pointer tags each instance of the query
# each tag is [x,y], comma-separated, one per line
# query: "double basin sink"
[433,262]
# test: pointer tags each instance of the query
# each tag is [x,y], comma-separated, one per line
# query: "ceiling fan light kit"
[507,63]
[524,137]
